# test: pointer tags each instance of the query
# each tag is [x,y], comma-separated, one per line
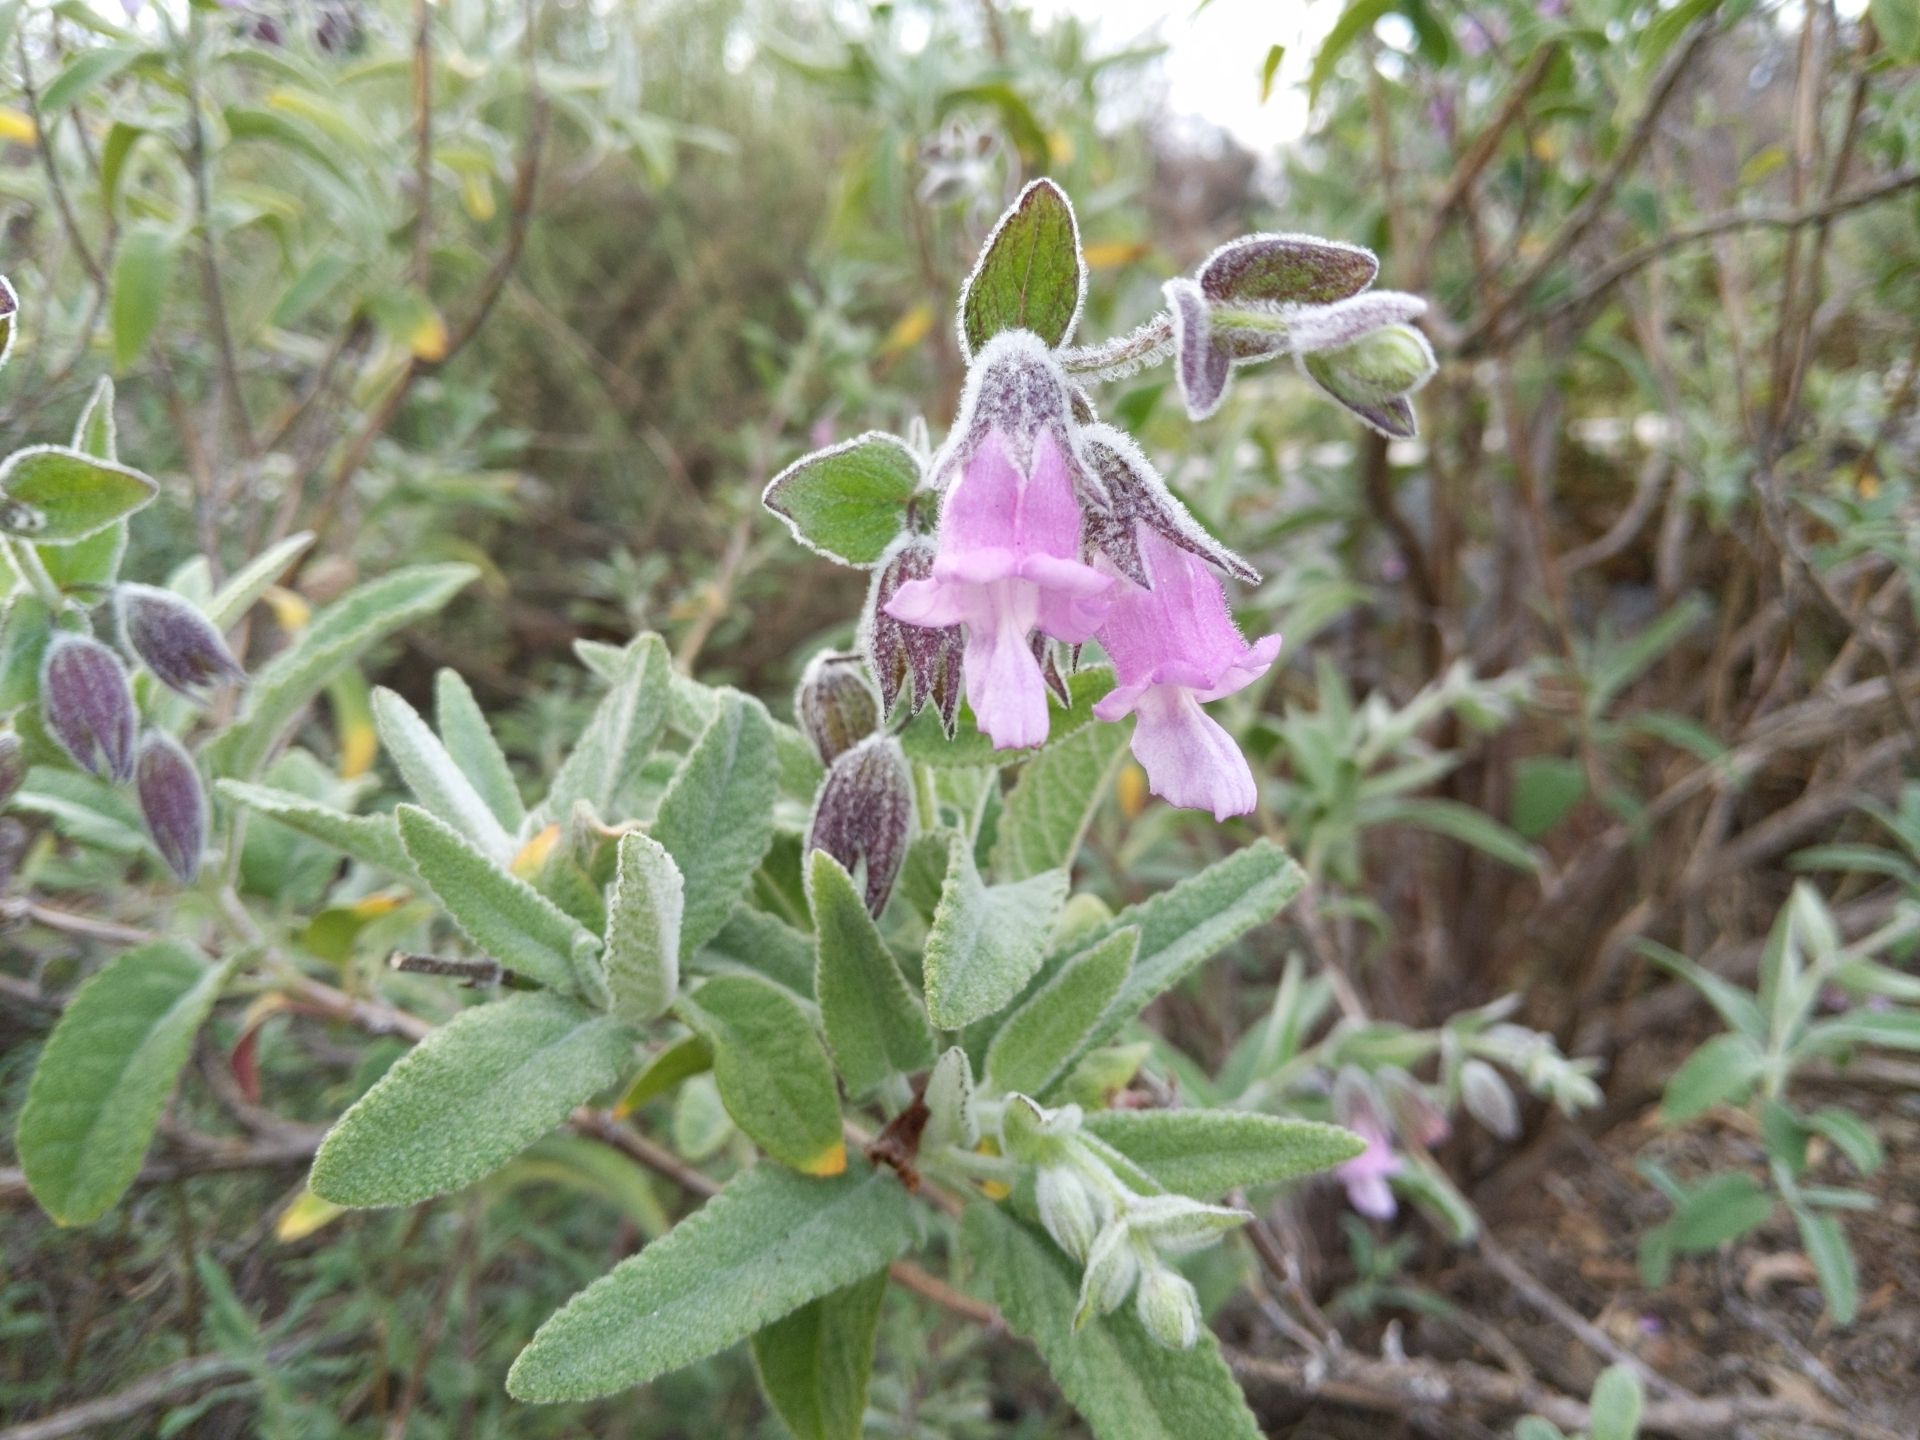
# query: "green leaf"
[1205,1153]
[1826,1245]
[1030,1050]
[681,1059]
[875,1027]
[1182,927]
[1614,1413]
[1356,20]
[1852,1136]
[106,1073]
[716,818]
[1030,275]
[1124,1385]
[1738,1008]
[66,495]
[1460,822]
[815,1363]
[436,781]
[760,1249]
[1898,22]
[338,636]
[621,734]
[849,501]
[1725,1069]
[643,931]
[500,913]
[772,1072]
[371,839]
[245,587]
[755,943]
[986,940]
[1545,790]
[469,740]
[1717,1210]
[1052,803]
[468,1098]
[142,279]
[91,68]
[1269,68]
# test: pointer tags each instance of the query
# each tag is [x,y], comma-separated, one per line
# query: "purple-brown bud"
[864,816]
[835,706]
[922,660]
[172,802]
[13,768]
[87,705]
[174,639]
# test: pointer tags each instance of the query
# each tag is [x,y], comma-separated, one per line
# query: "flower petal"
[1190,761]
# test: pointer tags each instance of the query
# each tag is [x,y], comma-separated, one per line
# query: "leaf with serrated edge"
[875,1027]
[106,1072]
[500,913]
[1027,1054]
[716,818]
[643,930]
[1124,1385]
[773,1073]
[986,940]
[1206,1153]
[766,1245]
[468,1098]
[469,740]
[815,1363]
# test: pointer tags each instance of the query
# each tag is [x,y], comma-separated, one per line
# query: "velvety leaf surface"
[621,734]
[1030,1050]
[1205,1153]
[469,740]
[1030,275]
[1052,803]
[773,1073]
[986,940]
[716,818]
[815,1363]
[642,951]
[875,1026]
[849,501]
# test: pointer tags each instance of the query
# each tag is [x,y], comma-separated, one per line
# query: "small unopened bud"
[172,802]
[87,705]
[174,639]
[13,768]
[1035,1135]
[1168,1308]
[951,1119]
[1113,1264]
[1175,1225]
[1385,365]
[1489,1099]
[864,816]
[1071,1209]
[919,660]
[836,705]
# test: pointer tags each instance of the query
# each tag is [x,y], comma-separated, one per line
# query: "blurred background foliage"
[1629,629]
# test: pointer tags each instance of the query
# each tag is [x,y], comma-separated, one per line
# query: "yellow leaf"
[372,907]
[476,193]
[1131,787]
[304,1216]
[1112,254]
[532,858]
[909,330]
[290,610]
[1060,148]
[359,745]
[428,337]
[17,125]
[832,1161]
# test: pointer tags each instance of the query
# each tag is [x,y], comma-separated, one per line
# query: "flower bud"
[1071,1209]
[1202,362]
[1113,1264]
[1488,1099]
[836,705]
[1034,1135]
[864,816]
[1168,1308]
[87,705]
[949,1100]
[13,767]
[921,660]
[174,639]
[1175,1225]
[1382,366]
[172,802]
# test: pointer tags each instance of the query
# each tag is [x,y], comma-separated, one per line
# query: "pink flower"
[1174,648]
[1365,1176]
[1008,564]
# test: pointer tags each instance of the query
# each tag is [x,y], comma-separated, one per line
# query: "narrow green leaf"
[106,1073]
[338,636]
[643,931]
[244,588]
[87,71]
[1853,1137]
[1124,1385]
[716,818]
[1030,274]
[1205,1153]
[469,740]
[772,1071]
[468,1098]
[1030,1051]
[1456,821]
[63,495]
[142,279]
[752,942]
[815,1363]
[1719,1209]
[500,913]
[1052,803]
[621,735]
[766,1245]
[986,940]
[680,1060]
[439,784]
[371,839]
[1826,1245]
[875,1027]
[1898,22]
[1725,1069]
[849,501]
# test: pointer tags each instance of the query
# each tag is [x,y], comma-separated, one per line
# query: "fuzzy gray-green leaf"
[371,839]
[875,1027]
[469,740]
[773,1073]
[1051,804]
[437,782]
[1206,1153]
[1031,1049]
[643,930]
[621,733]
[716,818]
[815,1363]
[1030,275]
[986,940]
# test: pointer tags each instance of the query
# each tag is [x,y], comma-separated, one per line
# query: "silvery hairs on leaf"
[835,704]
[1138,495]
[87,705]
[172,802]
[863,816]
[1017,387]
[921,660]
[1295,269]
[174,640]
[1011,219]
[1201,362]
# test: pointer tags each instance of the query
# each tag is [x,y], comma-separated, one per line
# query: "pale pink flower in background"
[1366,1175]
[1008,564]
[1174,648]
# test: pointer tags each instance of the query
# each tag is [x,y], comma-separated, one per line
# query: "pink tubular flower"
[1366,1175]
[1174,648]
[1008,564]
